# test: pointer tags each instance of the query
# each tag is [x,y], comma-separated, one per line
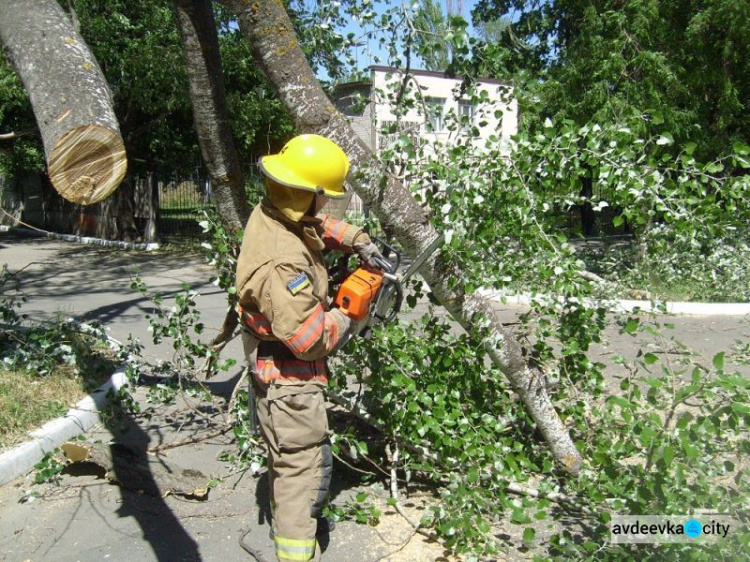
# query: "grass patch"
[26,403]
[28,400]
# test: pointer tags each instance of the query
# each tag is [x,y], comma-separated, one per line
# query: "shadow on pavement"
[159,525]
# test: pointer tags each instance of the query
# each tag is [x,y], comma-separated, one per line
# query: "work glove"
[367,250]
[343,322]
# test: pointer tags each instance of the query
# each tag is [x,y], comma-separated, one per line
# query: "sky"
[366,54]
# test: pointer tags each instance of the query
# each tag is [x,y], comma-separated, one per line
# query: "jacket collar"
[309,229]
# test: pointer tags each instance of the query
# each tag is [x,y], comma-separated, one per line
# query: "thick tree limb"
[638,294]
[16,134]
[277,51]
[203,62]
[71,99]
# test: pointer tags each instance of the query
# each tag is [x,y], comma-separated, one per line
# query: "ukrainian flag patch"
[298,283]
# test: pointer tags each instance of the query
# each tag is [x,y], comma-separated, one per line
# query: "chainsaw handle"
[397,303]
[385,264]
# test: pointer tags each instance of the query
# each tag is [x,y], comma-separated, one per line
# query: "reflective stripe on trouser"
[294,424]
[295,549]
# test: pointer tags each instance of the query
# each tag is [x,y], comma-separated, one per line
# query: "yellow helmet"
[310,163]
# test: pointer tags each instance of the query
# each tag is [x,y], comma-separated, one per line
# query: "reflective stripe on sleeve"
[332,329]
[309,333]
[334,232]
[257,323]
[337,230]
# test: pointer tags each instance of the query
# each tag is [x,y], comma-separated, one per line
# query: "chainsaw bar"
[388,303]
[421,258]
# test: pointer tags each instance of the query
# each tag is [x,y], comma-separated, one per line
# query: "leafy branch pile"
[672,439]
[49,363]
[41,348]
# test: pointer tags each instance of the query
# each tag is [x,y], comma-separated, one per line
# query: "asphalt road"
[88,519]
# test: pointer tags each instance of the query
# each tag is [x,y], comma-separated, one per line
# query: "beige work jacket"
[282,286]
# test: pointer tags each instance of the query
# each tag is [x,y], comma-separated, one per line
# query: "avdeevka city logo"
[693,528]
[667,528]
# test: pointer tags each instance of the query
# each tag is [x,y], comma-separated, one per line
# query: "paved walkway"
[88,519]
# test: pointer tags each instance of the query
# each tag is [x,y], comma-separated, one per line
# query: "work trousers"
[294,424]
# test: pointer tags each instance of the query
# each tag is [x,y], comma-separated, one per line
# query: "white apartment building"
[438,110]
[438,113]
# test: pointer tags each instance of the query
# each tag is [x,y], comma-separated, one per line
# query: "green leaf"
[650,358]
[719,361]
[621,401]
[665,139]
[668,454]
[631,326]
[691,451]
[529,534]
[519,516]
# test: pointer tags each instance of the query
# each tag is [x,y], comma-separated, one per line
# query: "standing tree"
[675,62]
[203,62]
[431,25]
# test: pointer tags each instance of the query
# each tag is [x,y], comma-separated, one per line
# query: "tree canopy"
[676,62]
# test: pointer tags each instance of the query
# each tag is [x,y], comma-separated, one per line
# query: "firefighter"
[289,329]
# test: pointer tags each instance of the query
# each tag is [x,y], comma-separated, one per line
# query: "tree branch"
[16,134]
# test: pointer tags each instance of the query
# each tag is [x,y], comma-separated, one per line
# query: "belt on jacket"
[275,350]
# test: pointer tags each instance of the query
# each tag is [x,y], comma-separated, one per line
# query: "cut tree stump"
[71,99]
[136,471]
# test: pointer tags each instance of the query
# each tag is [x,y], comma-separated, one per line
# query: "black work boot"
[325,526]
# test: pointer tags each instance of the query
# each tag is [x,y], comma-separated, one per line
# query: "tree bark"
[71,99]
[203,62]
[277,51]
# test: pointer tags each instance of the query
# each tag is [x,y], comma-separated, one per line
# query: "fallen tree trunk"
[72,103]
[277,52]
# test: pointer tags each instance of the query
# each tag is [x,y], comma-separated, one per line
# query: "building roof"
[435,73]
[416,71]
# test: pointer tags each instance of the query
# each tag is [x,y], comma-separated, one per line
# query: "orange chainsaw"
[371,296]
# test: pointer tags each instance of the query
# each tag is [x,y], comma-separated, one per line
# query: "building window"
[466,113]
[435,113]
[389,132]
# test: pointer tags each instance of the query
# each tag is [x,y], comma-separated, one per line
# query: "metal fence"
[152,208]
[181,204]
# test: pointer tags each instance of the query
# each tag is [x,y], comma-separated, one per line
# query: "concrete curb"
[83,239]
[686,308]
[18,461]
